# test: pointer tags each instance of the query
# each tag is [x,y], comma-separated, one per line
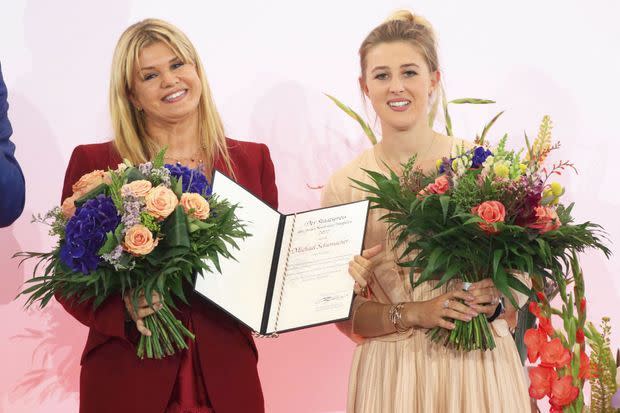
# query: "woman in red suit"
[159,97]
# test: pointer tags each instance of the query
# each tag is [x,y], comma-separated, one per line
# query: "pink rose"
[195,203]
[139,240]
[546,219]
[440,186]
[491,212]
[160,202]
[138,188]
[90,181]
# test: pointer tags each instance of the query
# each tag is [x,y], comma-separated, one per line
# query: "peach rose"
[139,240]
[160,202]
[90,181]
[491,212]
[195,202]
[546,219]
[138,188]
[68,206]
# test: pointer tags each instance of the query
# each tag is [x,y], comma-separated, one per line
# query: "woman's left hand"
[486,297]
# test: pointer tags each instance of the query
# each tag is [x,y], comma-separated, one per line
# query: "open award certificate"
[292,272]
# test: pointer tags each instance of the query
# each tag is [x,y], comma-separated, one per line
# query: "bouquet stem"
[166,333]
[466,336]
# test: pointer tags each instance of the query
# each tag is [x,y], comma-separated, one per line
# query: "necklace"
[193,158]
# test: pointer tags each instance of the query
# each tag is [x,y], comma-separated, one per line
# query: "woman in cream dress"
[395,368]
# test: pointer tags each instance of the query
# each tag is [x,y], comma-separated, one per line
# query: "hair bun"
[409,17]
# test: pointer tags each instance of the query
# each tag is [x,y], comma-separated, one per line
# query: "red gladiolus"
[563,392]
[545,324]
[553,354]
[584,366]
[556,410]
[541,380]
[535,309]
[534,340]
[582,305]
[541,296]
[580,336]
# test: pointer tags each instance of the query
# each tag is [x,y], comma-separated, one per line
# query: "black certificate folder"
[292,272]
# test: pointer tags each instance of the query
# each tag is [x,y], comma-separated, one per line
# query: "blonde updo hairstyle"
[404,26]
[130,135]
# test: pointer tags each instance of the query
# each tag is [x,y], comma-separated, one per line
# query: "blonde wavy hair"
[404,26]
[130,136]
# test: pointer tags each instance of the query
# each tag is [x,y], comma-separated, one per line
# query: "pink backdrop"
[269,63]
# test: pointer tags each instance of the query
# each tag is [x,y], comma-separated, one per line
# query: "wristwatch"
[499,310]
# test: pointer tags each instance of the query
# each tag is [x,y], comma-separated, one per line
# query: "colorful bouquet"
[486,213]
[138,231]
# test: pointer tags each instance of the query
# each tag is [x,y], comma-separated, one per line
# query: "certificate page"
[313,285]
[241,288]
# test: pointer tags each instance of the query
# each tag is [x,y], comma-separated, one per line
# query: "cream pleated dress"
[406,372]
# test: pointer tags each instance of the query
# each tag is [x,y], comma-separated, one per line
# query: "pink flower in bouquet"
[491,212]
[563,392]
[160,202]
[139,240]
[197,204]
[546,219]
[85,184]
[534,340]
[440,186]
[137,188]
[554,354]
[541,380]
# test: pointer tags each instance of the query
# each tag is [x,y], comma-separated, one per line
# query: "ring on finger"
[466,286]
[446,304]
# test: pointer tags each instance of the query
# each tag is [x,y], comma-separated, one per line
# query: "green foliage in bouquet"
[142,230]
[482,214]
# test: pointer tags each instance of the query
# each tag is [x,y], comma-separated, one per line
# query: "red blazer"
[113,379]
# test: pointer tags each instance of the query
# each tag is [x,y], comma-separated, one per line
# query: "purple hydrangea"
[480,155]
[193,179]
[86,233]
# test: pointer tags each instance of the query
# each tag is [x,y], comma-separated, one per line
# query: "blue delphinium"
[193,179]
[480,155]
[86,233]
